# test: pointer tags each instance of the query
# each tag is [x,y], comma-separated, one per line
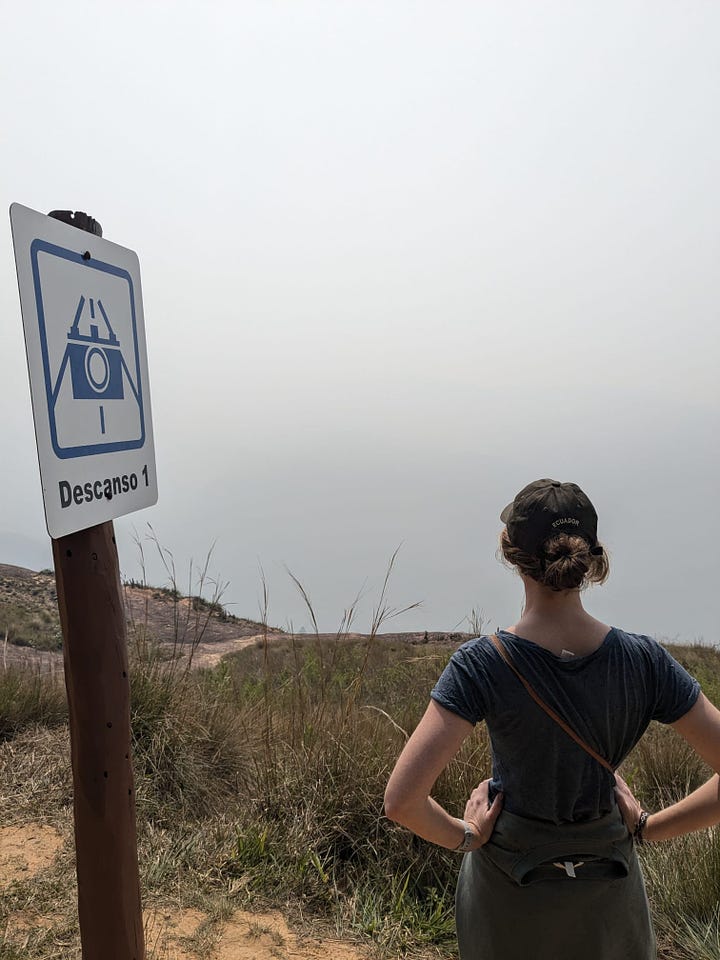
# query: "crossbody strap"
[500,647]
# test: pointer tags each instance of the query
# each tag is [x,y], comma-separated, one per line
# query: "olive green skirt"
[537,891]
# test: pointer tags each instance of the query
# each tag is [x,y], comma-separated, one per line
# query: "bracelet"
[640,826]
[467,840]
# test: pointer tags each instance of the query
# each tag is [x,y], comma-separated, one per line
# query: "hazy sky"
[398,260]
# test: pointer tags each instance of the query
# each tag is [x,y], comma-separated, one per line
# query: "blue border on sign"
[68,453]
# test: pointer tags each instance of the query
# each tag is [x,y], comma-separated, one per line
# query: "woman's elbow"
[397,804]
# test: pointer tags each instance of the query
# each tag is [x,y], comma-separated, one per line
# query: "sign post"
[84,333]
[98,690]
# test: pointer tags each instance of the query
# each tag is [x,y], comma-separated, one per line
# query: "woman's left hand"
[629,807]
[480,813]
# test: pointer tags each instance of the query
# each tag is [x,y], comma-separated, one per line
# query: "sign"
[85,340]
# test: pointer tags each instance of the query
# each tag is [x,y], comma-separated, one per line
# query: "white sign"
[85,339]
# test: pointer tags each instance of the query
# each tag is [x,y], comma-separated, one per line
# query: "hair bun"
[566,561]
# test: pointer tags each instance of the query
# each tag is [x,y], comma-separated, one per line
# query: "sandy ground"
[29,849]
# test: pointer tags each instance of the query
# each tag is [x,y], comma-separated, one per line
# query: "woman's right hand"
[629,807]
[481,814]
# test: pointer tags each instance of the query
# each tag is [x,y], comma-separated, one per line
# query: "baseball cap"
[547,507]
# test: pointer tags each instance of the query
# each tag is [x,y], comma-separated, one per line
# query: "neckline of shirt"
[565,661]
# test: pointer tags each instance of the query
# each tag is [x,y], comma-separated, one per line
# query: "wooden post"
[92,616]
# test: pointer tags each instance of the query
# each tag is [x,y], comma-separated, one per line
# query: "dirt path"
[210,654]
[245,936]
[170,934]
[25,851]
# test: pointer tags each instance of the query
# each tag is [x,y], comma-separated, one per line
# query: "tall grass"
[29,695]
[186,749]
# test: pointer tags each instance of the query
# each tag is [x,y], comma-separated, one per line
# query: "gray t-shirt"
[608,698]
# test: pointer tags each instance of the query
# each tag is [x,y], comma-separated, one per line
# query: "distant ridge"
[20,573]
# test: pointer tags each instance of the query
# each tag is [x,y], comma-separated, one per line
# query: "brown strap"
[500,647]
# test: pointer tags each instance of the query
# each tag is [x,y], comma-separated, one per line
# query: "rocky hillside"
[28,608]
[30,625]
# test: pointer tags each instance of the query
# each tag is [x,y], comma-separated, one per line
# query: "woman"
[550,870]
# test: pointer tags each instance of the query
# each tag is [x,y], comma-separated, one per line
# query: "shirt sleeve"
[460,688]
[675,689]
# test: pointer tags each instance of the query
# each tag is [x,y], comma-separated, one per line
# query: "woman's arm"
[701,728]
[435,741]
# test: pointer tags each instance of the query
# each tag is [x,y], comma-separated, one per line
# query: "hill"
[30,624]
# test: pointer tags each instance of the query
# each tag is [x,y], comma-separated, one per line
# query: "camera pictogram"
[84,331]
[94,369]
[91,352]
[96,363]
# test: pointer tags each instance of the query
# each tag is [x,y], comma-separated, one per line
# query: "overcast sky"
[398,260]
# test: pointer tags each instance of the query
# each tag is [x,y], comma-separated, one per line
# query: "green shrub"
[189,754]
[29,696]
[25,623]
